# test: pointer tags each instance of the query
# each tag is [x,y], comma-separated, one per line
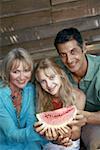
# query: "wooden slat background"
[33,24]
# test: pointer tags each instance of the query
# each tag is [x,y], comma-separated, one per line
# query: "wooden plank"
[79,9]
[94,6]
[25,20]
[15,6]
[91,36]
[93,49]
[33,46]
[50,53]
[40,46]
[55,2]
[90,25]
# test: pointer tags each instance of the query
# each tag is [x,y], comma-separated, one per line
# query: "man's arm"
[91,117]
[84,117]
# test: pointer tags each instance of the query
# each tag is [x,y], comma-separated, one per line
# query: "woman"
[54,91]
[17,112]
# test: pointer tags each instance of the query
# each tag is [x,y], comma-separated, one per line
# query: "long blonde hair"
[44,98]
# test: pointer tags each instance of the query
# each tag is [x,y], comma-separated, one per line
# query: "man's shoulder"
[93,62]
[96,62]
[94,58]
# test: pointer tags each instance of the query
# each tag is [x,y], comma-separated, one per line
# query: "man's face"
[72,55]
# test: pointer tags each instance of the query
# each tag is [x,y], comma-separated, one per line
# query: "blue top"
[11,136]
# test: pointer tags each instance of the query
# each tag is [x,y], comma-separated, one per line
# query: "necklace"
[16,99]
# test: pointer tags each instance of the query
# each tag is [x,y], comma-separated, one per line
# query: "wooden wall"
[33,24]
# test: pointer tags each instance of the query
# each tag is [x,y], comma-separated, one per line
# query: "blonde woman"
[54,91]
[17,96]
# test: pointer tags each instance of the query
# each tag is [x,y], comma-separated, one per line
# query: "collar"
[91,65]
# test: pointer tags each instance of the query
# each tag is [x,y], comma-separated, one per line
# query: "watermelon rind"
[45,124]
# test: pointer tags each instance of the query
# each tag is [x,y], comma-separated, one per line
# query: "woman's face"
[20,76]
[49,81]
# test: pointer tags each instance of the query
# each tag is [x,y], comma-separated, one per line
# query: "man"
[83,71]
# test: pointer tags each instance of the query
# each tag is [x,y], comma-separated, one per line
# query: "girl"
[54,91]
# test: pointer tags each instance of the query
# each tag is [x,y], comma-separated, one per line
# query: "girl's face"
[19,76]
[49,81]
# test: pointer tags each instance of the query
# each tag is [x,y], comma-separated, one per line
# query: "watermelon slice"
[57,118]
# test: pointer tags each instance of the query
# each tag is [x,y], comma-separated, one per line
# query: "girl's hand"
[65,141]
[64,136]
[64,131]
[51,134]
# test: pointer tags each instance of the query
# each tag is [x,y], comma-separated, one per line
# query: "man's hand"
[80,119]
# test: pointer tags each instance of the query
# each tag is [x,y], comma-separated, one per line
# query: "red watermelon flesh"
[57,118]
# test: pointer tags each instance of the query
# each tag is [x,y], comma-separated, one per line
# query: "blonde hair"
[13,59]
[44,98]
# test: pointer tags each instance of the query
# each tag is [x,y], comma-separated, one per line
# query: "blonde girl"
[54,91]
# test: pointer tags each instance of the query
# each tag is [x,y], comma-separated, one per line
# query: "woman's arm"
[8,124]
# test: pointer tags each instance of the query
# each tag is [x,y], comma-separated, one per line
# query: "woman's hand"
[49,133]
[39,127]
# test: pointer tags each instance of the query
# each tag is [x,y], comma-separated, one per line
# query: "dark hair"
[68,34]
